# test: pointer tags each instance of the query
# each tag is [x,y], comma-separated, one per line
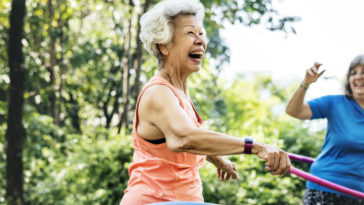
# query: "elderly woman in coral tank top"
[169,144]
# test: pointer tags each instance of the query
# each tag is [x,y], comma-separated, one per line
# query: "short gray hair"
[156,25]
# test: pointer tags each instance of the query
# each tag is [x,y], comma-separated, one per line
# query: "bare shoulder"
[156,106]
[156,99]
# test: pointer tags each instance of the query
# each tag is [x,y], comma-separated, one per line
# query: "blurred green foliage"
[66,168]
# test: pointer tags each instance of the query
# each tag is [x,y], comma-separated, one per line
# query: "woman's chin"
[195,69]
[358,96]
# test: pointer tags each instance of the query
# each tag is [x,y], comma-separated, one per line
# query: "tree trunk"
[139,52]
[73,109]
[62,66]
[108,117]
[53,98]
[125,63]
[15,133]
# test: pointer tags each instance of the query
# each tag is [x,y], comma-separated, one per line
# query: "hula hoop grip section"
[326,183]
[301,158]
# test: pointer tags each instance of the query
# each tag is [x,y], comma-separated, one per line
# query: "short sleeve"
[321,107]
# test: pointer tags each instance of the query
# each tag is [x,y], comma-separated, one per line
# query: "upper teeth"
[197,53]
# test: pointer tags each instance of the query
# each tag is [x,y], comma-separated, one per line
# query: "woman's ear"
[163,49]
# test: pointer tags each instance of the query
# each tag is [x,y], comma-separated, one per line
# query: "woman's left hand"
[226,170]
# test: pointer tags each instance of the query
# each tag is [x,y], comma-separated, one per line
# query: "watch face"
[249,140]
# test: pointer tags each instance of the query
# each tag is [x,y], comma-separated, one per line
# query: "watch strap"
[248,145]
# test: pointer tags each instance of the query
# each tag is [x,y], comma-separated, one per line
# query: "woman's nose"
[200,40]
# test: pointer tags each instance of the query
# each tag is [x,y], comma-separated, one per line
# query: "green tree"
[15,132]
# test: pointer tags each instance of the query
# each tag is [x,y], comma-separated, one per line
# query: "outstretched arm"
[183,136]
[296,106]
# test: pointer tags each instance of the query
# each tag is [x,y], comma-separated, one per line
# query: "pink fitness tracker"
[248,145]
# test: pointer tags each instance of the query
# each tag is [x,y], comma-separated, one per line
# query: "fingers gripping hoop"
[319,180]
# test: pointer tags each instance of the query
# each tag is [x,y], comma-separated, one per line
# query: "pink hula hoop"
[319,180]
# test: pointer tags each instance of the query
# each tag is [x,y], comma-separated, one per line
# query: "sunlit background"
[330,32]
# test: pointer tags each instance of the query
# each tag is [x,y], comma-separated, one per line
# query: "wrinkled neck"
[174,75]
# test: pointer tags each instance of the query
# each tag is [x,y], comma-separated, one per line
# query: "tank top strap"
[155,81]
[199,119]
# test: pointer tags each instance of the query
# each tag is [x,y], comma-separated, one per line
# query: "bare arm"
[183,136]
[296,106]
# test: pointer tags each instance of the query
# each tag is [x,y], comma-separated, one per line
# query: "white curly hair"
[156,26]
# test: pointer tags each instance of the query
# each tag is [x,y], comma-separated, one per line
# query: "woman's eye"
[353,73]
[190,32]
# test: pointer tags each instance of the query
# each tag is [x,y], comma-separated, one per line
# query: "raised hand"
[312,74]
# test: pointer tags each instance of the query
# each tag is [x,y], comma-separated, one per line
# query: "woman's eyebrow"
[190,25]
[195,27]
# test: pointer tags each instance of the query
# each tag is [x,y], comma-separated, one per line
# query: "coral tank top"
[157,174]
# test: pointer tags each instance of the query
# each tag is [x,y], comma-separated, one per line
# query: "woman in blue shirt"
[342,157]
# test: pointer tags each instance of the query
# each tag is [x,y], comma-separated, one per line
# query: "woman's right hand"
[277,162]
[312,74]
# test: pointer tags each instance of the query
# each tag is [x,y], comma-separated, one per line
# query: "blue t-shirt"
[342,157]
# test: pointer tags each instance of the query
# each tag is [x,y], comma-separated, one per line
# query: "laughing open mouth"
[196,55]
